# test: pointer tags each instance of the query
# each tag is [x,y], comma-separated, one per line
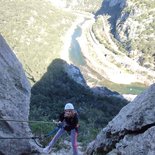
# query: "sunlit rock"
[131,132]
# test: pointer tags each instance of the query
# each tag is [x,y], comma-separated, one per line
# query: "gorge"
[90,59]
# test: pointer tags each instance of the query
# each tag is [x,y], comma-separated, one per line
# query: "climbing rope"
[18,137]
[13,120]
[41,138]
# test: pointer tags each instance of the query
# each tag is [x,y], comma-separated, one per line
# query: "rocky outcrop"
[132,24]
[14,104]
[104,91]
[74,73]
[139,14]
[131,132]
[112,8]
[135,30]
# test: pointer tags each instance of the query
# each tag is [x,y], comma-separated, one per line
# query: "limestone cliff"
[14,104]
[134,28]
[131,132]
[121,42]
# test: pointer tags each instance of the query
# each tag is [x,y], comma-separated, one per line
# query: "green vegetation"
[146,46]
[143,41]
[134,88]
[99,31]
[139,36]
[50,94]
[34,30]
[127,9]
[85,5]
[149,4]
[42,129]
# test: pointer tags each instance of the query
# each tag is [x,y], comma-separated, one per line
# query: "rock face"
[104,91]
[131,132]
[75,74]
[135,30]
[14,103]
[132,24]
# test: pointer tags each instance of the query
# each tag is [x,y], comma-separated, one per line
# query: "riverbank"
[117,68]
[103,67]
[64,54]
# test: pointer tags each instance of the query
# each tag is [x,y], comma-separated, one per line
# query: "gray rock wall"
[14,103]
[131,132]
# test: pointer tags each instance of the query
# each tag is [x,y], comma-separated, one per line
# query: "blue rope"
[54,130]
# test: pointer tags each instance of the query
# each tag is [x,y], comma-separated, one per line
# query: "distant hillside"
[110,58]
[34,30]
[133,25]
[82,5]
[136,31]
[36,35]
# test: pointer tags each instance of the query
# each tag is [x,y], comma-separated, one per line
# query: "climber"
[69,119]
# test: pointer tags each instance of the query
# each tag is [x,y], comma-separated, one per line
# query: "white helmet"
[69,106]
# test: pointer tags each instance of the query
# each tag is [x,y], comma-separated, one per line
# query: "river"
[75,54]
[77,58]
